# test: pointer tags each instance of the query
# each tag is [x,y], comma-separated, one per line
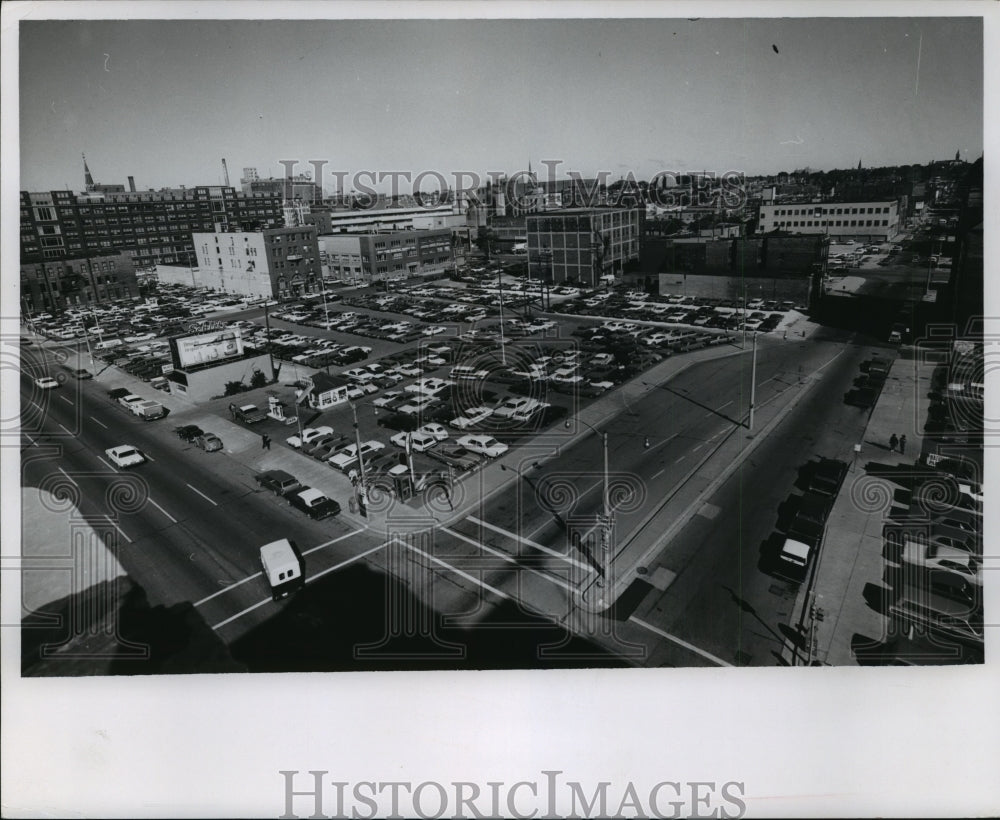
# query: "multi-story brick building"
[151,227]
[56,284]
[279,263]
[583,244]
[372,257]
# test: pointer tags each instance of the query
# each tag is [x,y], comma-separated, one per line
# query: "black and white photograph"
[400,346]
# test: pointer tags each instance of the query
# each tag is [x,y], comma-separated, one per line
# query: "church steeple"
[87,178]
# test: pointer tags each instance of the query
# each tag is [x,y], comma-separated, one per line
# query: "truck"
[148,410]
[247,413]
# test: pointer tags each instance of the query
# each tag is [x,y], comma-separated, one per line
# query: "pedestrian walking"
[893,443]
[265,442]
[902,444]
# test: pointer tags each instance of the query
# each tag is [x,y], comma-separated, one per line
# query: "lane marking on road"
[96,421]
[717,409]
[67,431]
[227,589]
[459,572]
[679,641]
[29,438]
[106,464]
[209,500]
[168,515]
[148,457]
[679,460]
[509,559]
[351,560]
[71,481]
[332,541]
[238,615]
[66,400]
[658,474]
[696,449]
[36,404]
[121,532]
[560,555]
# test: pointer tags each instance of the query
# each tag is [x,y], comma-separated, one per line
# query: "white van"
[282,568]
[107,344]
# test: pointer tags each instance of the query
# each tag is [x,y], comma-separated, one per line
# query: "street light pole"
[606,520]
[359,489]
[503,344]
[753,382]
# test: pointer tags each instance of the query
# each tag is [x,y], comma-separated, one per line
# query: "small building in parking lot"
[326,391]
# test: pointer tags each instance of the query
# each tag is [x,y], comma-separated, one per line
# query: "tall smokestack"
[225,171]
[131,183]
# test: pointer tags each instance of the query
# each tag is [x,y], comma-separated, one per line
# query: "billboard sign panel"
[206,348]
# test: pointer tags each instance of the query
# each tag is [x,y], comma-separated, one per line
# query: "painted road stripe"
[510,559]
[561,555]
[106,464]
[148,457]
[61,470]
[679,460]
[98,422]
[259,604]
[717,409]
[66,400]
[209,500]
[332,541]
[29,438]
[168,515]
[459,572]
[67,431]
[658,474]
[675,639]
[121,532]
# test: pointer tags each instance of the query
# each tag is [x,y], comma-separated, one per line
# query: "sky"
[165,101]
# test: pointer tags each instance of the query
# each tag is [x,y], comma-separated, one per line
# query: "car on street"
[209,442]
[46,383]
[81,373]
[313,503]
[418,441]
[188,432]
[124,456]
[309,434]
[278,481]
[484,445]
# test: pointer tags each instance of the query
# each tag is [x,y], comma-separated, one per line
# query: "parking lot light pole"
[360,490]
[503,344]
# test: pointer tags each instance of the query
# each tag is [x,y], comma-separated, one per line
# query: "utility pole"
[753,382]
[503,344]
[360,491]
[267,325]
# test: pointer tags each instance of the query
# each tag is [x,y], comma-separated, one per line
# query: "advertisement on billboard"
[206,348]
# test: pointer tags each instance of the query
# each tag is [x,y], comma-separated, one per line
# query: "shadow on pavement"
[629,600]
[877,597]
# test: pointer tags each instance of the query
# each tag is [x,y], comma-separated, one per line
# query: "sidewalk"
[835,608]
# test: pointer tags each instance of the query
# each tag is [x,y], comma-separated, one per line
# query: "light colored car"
[417,404]
[484,445]
[471,417]
[387,398]
[429,386]
[125,455]
[434,330]
[934,556]
[309,434]
[347,457]
[435,430]
[209,442]
[418,441]
[46,383]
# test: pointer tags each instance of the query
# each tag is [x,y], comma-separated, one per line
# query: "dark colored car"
[313,503]
[81,374]
[278,481]
[189,432]
[828,476]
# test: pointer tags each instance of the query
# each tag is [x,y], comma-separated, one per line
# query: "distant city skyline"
[165,101]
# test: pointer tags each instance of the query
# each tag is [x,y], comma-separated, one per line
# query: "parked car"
[124,456]
[436,430]
[247,413]
[313,503]
[471,417]
[418,441]
[188,432]
[278,481]
[309,434]
[209,442]
[485,445]
[81,373]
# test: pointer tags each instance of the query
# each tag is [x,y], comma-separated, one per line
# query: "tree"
[258,379]
[232,388]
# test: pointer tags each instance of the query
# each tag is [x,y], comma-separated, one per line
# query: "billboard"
[206,348]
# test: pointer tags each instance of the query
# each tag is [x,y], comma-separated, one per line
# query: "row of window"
[829,223]
[819,211]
